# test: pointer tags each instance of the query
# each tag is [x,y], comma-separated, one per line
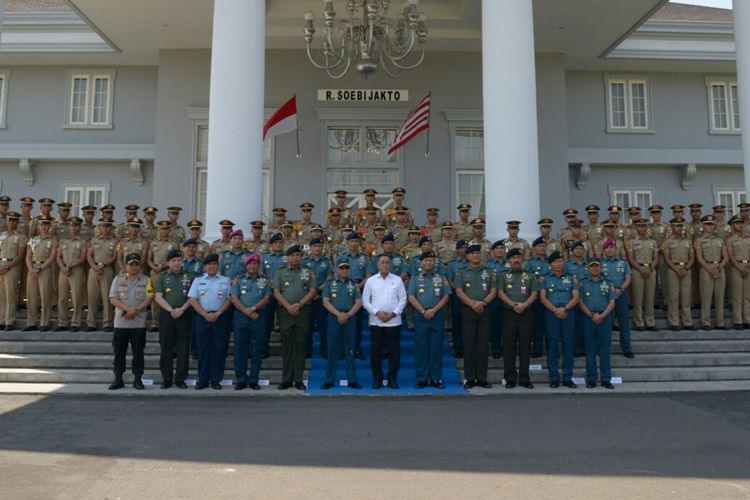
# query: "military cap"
[27,200]
[736,218]
[341,193]
[316,241]
[614,209]
[194,223]
[594,262]
[545,221]
[88,209]
[75,221]
[401,210]
[174,209]
[134,221]
[634,210]
[12,216]
[64,205]
[253,257]
[316,227]
[608,223]
[279,210]
[498,243]
[413,230]
[190,241]
[609,242]
[237,232]
[426,255]
[477,222]
[720,209]
[343,265]
[131,208]
[641,222]
[655,208]
[513,224]
[378,227]
[398,190]
[592,208]
[108,208]
[554,256]
[474,248]
[514,251]
[226,223]
[286,224]
[369,191]
[389,237]
[293,249]
[569,212]
[424,239]
[276,237]
[446,225]
[173,253]
[433,211]
[744,206]
[135,257]
[461,244]
[212,257]
[708,219]
[164,224]
[463,207]
[539,241]
[46,201]
[346,228]
[104,222]
[577,243]
[334,211]
[353,236]
[677,222]
[306,205]
[677,207]
[695,207]
[150,210]
[4,199]
[257,224]
[45,219]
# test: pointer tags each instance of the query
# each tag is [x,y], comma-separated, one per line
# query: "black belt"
[681,264]
[210,312]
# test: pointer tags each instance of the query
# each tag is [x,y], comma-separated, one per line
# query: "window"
[632,197]
[90,99]
[628,104]
[4,77]
[723,106]
[80,195]
[468,161]
[729,198]
[470,189]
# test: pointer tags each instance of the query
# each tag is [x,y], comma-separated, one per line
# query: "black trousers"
[476,331]
[174,333]
[389,336]
[121,337]
[518,330]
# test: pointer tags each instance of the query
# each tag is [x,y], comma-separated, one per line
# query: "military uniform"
[233,263]
[255,246]
[193,266]
[71,252]
[293,284]
[12,253]
[616,271]
[220,246]
[519,243]
[596,296]
[644,253]
[102,254]
[321,270]
[358,265]
[174,334]
[476,283]
[343,295]
[39,259]
[559,290]
[679,252]
[711,248]
[739,278]
[157,255]
[452,268]
[130,245]
[462,229]
[539,267]
[250,334]
[518,287]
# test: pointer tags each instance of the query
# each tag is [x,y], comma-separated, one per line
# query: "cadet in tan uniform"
[40,257]
[101,256]
[745,216]
[432,228]
[4,209]
[223,244]
[513,241]
[679,259]
[131,242]
[149,229]
[635,215]
[412,247]
[157,262]
[195,227]
[545,230]
[60,227]
[88,228]
[738,247]
[609,230]
[446,247]
[108,214]
[659,230]
[302,227]
[477,238]
[121,231]
[462,227]
[26,219]
[615,211]
[347,216]
[593,229]
[288,234]
[563,235]
[12,254]
[643,254]
[176,232]
[391,214]
[45,207]
[71,256]
[400,228]
[695,231]
[256,244]
[279,218]
[723,230]
[332,230]
[711,252]
[359,217]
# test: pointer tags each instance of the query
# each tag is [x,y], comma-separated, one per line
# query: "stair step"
[703,359]
[32,375]
[94,361]
[651,374]
[84,348]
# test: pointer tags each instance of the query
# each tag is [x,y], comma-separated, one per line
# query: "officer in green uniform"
[476,286]
[597,303]
[157,261]
[294,289]
[517,289]
[343,300]
[175,321]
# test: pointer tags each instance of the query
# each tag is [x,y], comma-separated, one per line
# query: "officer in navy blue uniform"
[321,269]
[233,260]
[539,267]
[499,264]
[597,303]
[559,294]
[358,265]
[269,263]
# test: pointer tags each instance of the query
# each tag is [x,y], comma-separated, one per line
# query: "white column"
[742,43]
[511,156]
[235,133]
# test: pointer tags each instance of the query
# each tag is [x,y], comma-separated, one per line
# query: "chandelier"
[373,41]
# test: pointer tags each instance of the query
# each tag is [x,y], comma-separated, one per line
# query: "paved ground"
[647,446]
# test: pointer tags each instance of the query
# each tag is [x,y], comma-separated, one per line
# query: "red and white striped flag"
[283,120]
[417,121]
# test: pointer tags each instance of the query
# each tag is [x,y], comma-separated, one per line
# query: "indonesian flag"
[283,120]
[417,121]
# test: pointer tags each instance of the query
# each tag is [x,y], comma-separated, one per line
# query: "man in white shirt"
[384,297]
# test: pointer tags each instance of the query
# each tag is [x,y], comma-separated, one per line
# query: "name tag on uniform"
[437,292]
[484,287]
[523,290]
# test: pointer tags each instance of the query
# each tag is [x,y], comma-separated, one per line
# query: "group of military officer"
[71,262]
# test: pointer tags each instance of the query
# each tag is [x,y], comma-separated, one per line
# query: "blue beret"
[554,256]
[424,239]
[353,236]
[293,249]
[388,237]
[461,244]
[474,248]
[514,251]
[276,237]
[315,241]
[578,243]
[212,257]
[498,243]
[538,241]
[173,253]
[190,241]
[426,255]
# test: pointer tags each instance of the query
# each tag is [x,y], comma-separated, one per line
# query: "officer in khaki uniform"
[643,255]
[194,231]
[223,244]
[131,242]
[711,252]
[101,255]
[121,231]
[679,259]
[279,219]
[738,247]
[60,226]
[745,216]
[564,234]
[432,228]
[176,231]
[723,230]
[12,254]
[695,231]
[593,229]
[256,244]
[513,241]
[88,228]
[40,257]
[45,207]
[71,256]
[346,214]
[545,230]
[398,205]
[412,247]
[149,229]
[157,262]
[4,209]
[462,227]
[304,226]
[445,248]
[659,231]
[477,238]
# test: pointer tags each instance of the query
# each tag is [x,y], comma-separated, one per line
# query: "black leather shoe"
[497,355]
[651,329]
[590,385]
[570,384]
[73,328]
[8,328]
[29,328]
[535,356]
[165,385]
[746,326]
[216,386]
[629,355]
[284,386]
[468,384]
[437,384]
[484,384]
[324,355]
[326,386]
[300,386]
[722,327]
[200,386]
[640,328]
[393,385]
[360,355]
[458,354]
[674,328]
[510,385]
[608,385]
[240,386]
[59,328]
[354,385]
[90,329]
[737,326]
[554,385]
[421,384]
[107,329]
[153,329]
[254,386]
[43,328]
[691,328]
[527,385]
[181,385]
[138,384]
[377,385]
[705,327]
[117,384]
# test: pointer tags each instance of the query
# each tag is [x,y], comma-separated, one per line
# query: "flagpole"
[429,117]
[299,155]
